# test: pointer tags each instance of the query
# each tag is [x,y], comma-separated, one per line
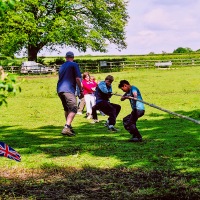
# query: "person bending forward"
[138,109]
[103,93]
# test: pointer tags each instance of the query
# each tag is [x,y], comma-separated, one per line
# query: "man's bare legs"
[69,117]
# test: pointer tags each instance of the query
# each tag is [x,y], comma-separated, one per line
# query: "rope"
[159,108]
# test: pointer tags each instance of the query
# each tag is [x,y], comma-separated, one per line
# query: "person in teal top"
[138,109]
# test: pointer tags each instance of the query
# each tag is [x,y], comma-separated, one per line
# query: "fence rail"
[125,65]
[108,66]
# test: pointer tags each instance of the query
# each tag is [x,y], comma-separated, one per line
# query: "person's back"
[67,77]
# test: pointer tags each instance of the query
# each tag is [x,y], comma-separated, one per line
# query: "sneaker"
[72,130]
[79,113]
[89,116]
[103,114]
[95,121]
[112,128]
[67,131]
[135,139]
[106,124]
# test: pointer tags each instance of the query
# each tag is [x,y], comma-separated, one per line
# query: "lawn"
[97,164]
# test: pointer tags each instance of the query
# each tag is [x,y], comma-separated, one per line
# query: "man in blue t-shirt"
[137,109]
[69,77]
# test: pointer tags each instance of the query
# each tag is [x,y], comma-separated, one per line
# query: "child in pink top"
[88,91]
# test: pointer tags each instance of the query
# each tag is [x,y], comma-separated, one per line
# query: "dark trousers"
[110,109]
[130,122]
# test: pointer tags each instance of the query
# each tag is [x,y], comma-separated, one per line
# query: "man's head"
[109,79]
[124,85]
[69,55]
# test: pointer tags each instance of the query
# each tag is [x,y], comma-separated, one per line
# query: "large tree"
[82,24]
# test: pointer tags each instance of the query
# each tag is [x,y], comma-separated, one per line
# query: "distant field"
[177,59]
[97,164]
[133,57]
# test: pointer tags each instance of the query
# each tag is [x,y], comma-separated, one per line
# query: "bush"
[41,60]
[8,85]
[59,61]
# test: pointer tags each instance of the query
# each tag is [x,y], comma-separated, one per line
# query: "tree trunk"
[32,53]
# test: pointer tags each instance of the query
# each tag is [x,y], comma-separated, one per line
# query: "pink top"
[88,86]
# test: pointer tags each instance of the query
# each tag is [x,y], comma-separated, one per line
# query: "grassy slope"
[96,163]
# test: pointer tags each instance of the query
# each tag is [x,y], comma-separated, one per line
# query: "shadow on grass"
[164,166]
[55,182]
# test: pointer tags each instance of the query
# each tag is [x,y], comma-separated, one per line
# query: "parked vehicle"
[31,67]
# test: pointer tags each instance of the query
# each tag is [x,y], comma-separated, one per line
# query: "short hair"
[122,83]
[109,78]
[86,74]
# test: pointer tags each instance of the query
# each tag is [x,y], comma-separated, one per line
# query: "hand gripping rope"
[159,108]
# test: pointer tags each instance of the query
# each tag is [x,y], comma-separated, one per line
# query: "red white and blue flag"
[9,152]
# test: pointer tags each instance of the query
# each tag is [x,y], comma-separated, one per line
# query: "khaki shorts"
[69,101]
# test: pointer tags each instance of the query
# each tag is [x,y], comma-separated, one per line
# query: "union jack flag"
[9,152]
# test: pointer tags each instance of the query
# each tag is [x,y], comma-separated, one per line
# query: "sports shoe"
[102,113]
[135,139]
[67,131]
[95,121]
[112,128]
[79,113]
[89,116]
[71,129]
[106,124]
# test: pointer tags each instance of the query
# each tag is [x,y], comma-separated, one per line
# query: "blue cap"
[70,54]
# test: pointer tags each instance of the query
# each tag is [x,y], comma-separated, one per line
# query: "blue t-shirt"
[135,104]
[68,73]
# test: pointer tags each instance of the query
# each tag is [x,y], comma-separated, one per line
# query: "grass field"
[97,164]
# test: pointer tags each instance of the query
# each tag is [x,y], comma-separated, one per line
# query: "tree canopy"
[182,50]
[82,24]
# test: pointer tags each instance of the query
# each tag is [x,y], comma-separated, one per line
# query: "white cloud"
[159,25]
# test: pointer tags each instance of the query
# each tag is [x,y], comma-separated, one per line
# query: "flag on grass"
[9,152]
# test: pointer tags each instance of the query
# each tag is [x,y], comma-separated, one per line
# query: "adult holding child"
[89,88]
[69,77]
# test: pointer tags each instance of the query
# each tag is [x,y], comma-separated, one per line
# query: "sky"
[155,26]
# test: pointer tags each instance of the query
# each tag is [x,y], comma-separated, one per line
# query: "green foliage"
[5,5]
[10,62]
[2,57]
[41,60]
[58,61]
[93,59]
[8,86]
[182,50]
[80,24]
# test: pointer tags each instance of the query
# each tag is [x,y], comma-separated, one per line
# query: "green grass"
[97,164]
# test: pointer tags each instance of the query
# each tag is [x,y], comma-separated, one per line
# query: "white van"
[31,67]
